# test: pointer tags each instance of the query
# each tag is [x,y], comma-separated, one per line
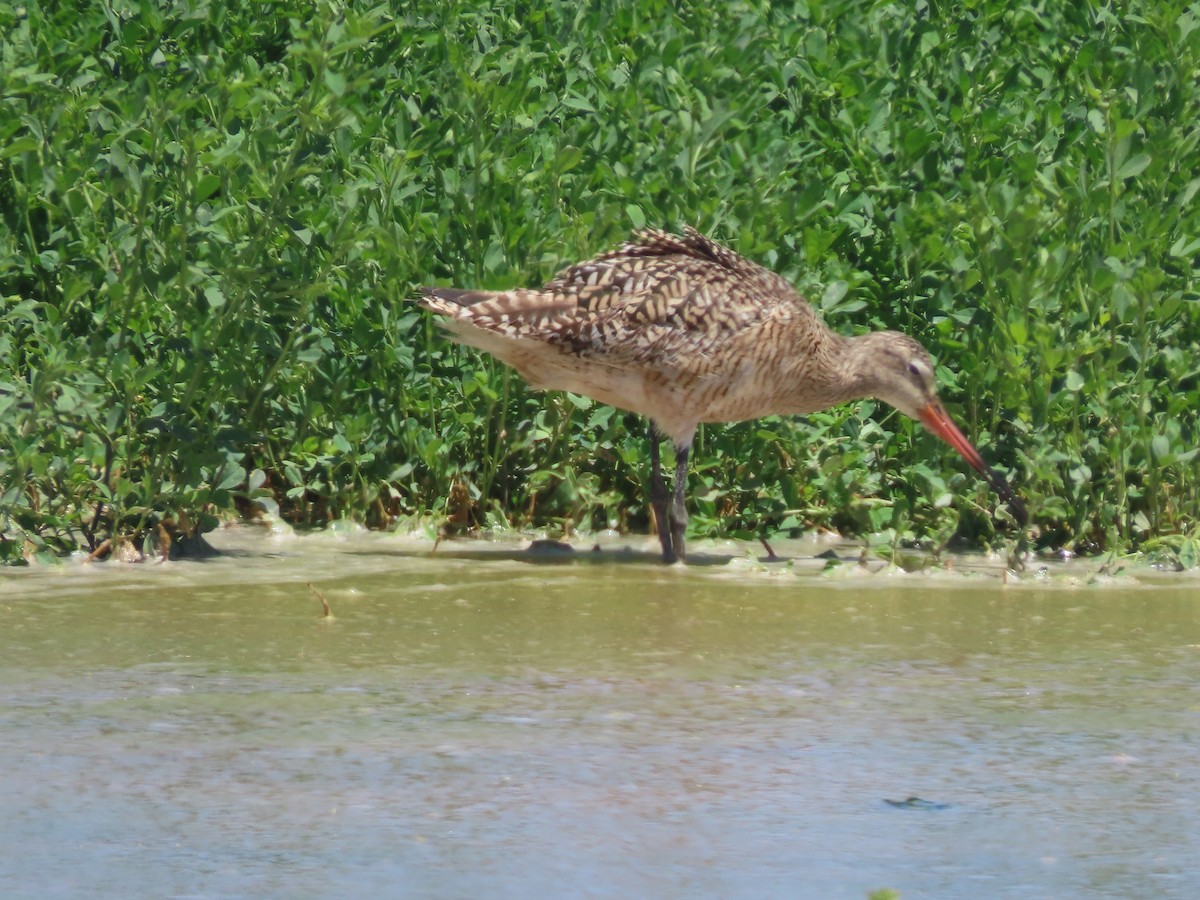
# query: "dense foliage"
[213,217]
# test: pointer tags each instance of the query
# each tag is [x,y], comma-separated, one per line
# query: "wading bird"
[684,331]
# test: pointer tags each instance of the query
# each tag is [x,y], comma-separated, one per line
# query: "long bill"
[933,416]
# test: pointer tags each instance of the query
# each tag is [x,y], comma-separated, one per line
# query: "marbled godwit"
[684,331]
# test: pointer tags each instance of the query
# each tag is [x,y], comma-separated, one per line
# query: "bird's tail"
[435,297]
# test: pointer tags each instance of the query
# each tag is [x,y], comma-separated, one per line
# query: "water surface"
[497,724]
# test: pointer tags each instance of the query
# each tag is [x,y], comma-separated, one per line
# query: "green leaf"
[833,294]
[493,259]
[230,476]
[17,146]
[576,102]
[1135,165]
[336,82]
[1160,447]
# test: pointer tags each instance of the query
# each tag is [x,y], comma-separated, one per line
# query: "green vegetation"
[213,217]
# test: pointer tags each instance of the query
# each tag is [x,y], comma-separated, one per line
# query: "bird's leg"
[679,514]
[658,499]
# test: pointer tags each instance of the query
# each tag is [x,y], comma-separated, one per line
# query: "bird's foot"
[677,542]
[674,549]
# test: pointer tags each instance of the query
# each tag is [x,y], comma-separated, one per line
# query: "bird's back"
[660,299]
[675,327]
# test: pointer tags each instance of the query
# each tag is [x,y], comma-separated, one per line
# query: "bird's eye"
[913,368]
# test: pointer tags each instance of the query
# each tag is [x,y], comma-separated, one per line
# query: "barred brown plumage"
[683,330]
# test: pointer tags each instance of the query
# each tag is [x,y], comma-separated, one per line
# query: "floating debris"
[916,803]
[326,612]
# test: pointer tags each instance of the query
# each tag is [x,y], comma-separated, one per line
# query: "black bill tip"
[1016,505]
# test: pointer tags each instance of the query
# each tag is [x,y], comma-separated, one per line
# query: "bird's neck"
[824,373]
[866,366]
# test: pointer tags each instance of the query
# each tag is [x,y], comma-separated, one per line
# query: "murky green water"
[512,727]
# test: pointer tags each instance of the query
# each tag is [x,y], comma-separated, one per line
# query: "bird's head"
[897,370]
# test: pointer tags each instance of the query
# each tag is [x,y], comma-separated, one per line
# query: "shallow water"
[495,724]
